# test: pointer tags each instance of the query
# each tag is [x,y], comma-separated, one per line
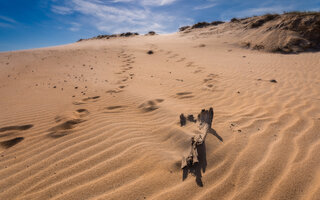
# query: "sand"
[99,119]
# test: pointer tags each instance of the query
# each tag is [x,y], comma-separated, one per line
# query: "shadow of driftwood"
[198,168]
[214,132]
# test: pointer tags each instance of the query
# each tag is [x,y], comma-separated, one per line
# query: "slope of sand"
[99,119]
[286,33]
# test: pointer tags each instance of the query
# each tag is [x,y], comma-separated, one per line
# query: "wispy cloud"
[255,11]
[61,10]
[5,25]
[125,1]
[74,26]
[148,2]
[105,16]
[157,2]
[7,22]
[201,7]
[7,19]
[263,10]
[163,16]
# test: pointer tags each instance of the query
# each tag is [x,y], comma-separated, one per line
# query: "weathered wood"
[205,118]
[183,120]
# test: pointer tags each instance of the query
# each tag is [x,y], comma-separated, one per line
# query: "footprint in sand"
[209,81]
[82,112]
[210,85]
[16,128]
[201,45]
[77,103]
[64,128]
[127,68]
[10,143]
[180,60]
[184,95]
[66,124]
[114,109]
[91,98]
[125,79]
[197,71]
[115,91]
[88,99]
[8,131]
[212,75]
[150,105]
[190,64]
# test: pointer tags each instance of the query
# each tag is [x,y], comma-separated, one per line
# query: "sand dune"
[287,33]
[99,119]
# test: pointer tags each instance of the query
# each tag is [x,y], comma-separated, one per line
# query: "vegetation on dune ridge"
[127,34]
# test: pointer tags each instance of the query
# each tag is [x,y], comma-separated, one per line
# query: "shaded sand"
[99,119]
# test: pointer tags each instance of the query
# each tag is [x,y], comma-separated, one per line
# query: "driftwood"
[205,121]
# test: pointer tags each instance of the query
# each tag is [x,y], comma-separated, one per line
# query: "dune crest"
[287,33]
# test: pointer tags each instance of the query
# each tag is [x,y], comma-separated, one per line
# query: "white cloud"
[255,11]
[126,1]
[258,11]
[157,2]
[148,2]
[201,7]
[7,19]
[61,10]
[5,25]
[111,18]
[7,22]
[74,26]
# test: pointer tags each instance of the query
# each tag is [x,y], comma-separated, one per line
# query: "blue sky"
[26,24]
